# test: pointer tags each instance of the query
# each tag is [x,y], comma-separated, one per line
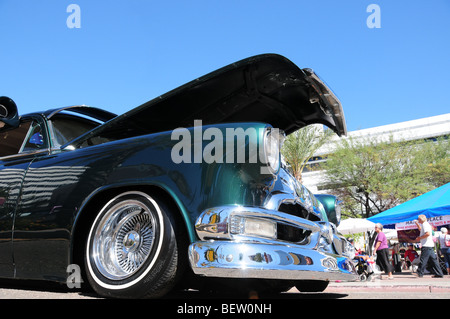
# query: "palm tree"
[301,145]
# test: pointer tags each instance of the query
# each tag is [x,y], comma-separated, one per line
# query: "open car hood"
[265,88]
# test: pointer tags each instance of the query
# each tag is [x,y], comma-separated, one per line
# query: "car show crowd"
[426,254]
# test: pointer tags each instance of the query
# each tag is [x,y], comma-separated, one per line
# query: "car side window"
[28,137]
[35,139]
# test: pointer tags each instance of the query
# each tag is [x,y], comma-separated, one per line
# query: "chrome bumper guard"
[223,252]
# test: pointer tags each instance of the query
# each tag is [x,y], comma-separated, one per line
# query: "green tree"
[436,157]
[301,145]
[371,176]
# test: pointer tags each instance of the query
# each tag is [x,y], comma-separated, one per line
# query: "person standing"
[426,239]
[444,240]
[382,251]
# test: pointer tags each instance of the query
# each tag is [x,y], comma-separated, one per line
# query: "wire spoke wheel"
[131,249]
[123,240]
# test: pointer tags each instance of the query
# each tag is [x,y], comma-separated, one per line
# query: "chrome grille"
[297,210]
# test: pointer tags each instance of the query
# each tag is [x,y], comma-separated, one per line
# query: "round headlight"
[273,139]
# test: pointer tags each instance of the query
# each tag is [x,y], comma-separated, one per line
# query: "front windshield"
[66,128]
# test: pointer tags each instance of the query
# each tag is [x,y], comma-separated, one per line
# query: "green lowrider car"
[187,190]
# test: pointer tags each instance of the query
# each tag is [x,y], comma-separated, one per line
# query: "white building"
[425,128]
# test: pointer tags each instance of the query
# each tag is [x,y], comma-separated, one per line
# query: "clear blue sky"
[130,51]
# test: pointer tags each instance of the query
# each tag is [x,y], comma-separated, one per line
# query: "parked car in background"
[186,190]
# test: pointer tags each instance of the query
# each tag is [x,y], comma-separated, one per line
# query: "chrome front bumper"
[265,261]
[223,253]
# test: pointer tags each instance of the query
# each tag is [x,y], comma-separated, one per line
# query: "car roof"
[90,111]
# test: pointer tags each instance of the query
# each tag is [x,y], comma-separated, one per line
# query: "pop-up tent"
[432,204]
[355,225]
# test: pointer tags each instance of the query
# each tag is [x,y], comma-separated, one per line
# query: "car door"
[48,203]
[18,147]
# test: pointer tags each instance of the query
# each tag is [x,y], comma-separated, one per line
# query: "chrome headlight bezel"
[272,141]
[326,231]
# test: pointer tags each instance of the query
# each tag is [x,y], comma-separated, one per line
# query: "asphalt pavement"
[405,285]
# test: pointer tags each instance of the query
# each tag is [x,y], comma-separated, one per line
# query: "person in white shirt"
[426,240]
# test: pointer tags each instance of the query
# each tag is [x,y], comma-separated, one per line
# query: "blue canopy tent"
[432,204]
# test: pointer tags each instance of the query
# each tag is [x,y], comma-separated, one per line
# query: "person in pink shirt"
[382,251]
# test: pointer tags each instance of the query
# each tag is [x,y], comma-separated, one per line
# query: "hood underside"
[265,88]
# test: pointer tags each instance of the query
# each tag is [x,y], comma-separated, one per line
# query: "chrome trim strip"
[26,154]
[274,201]
[56,111]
